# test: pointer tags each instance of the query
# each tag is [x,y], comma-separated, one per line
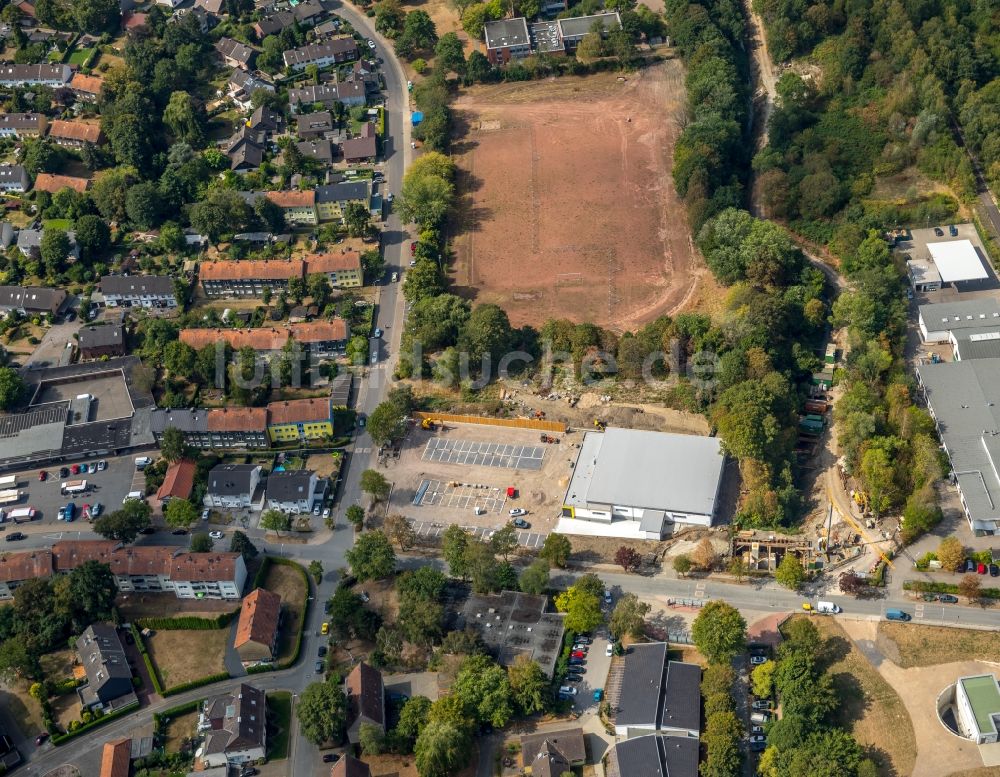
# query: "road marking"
[919,611]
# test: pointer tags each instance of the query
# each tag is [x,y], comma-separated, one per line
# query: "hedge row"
[213,678]
[919,586]
[261,576]
[159,718]
[153,675]
[189,623]
[59,739]
[290,661]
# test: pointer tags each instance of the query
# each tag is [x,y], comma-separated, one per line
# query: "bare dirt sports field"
[568,209]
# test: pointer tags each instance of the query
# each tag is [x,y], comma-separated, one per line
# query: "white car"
[567,690]
[215,535]
[518,511]
[371,44]
[102,465]
[758,660]
[609,650]
[204,514]
[326,512]
[607,596]
[581,646]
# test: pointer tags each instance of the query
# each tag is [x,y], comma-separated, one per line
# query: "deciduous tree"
[790,572]
[454,545]
[629,617]
[441,749]
[528,684]
[535,578]
[125,524]
[276,521]
[556,549]
[719,631]
[372,557]
[970,587]
[322,711]
[180,513]
[400,531]
[201,542]
[951,554]
[628,558]
[374,483]
[582,608]
[682,564]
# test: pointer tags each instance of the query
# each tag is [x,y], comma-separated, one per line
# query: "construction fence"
[510,423]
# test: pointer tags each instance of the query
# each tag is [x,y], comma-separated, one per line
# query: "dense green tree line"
[889,79]
[710,158]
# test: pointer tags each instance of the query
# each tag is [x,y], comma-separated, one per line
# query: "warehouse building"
[963,398]
[640,484]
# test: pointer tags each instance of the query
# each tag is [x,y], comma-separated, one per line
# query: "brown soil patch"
[184,656]
[908,645]
[567,203]
[135,606]
[183,727]
[404,766]
[289,585]
[986,771]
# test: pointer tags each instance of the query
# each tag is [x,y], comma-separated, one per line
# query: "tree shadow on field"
[834,649]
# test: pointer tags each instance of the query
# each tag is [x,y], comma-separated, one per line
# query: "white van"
[142,462]
[134,495]
[828,607]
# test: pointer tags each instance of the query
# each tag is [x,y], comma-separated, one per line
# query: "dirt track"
[568,206]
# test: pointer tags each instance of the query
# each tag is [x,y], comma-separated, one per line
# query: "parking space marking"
[464,496]
[918,611]
[482,533]
[483,454]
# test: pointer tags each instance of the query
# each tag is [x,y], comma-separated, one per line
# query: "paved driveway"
[52,349]
[595,676]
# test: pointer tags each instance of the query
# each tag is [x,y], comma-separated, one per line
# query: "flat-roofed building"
[506,40]
[977,701]
[640,484]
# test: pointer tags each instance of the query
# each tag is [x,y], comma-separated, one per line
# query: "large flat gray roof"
[504,33]
[579,26]
[652,470]
[968,314]
[964,398]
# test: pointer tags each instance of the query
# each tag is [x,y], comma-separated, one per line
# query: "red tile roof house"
[349,766]
[75,134]
[47,182]
[365,700]
[228,278]
[178,482]
[116,758]
[257,630]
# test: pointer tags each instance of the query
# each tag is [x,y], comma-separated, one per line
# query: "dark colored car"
[948,599]
[330,758]
[583,639]
[147,530]
[938,231]
[994,570]
[14,536]
[970,565]
[129,639]
[576,662]
[574,678]
[758,747]
[179,531]
[520,523]
[398,698]
[41,738]
[64,472]
[322,651]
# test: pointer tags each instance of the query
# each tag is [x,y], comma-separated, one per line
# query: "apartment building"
[321,55]
[87,88]
[343,270]
[293,491]
[150,568]
[32,75]
[75,134]
[299,207]
[14,178]
[300,419]
[332,200]
[138,291]
[350,93]
[216,429]
[235,487]
[22,125]
[247,278]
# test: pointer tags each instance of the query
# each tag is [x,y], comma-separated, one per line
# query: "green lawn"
[279,715]
[80,56]
[63,224]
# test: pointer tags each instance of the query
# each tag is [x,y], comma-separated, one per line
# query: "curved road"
[304,758]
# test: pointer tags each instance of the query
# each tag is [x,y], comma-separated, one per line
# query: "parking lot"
[595,675]
[442,475]
[464,496]
[108,487]
[484,454]
[528,539]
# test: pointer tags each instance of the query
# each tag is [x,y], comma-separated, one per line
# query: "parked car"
[14,536]
[568,690]
[756,729]
[572,661]
[102,465]
[330,758]
[179,532]
[319,667]
[758,747]
[607,596]
[578,654]
[325,628]
[948,599]
[970,565]
[147,530]
[598,694]
[371,44]
[92,467]
[518,511]
[938,232]
[365,597]
[583,639]
[316,511]
[761,704]
[609,650]
[981,569]
[75,469]
[41,738]
[413,249]
[758,738]
[520,523]
[573,678]
[204,514]
[322,651]
[581,646]
[129,639]
[378,332]
[216,535]
[758,660]
[64,472]
[994,570]
[42,475]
